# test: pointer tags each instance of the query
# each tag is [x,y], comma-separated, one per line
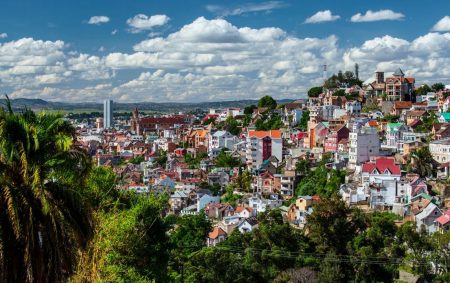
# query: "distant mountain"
[40,104]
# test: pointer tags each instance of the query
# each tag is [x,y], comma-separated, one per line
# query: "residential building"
[216,236]
[399,87]
[440,150]
[220,140]
[364,143]
[261,145]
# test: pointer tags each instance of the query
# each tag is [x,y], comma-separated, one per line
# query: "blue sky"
[211,50]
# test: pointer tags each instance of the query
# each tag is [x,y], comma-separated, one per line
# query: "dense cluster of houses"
[148,153]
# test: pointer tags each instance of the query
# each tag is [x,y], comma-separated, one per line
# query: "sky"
[200,50]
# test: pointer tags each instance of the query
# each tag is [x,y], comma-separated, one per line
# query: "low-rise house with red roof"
[244,212]
[380,176]
[216,236]
[443,222]
[218,210]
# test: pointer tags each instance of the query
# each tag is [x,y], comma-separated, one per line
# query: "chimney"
[379,77]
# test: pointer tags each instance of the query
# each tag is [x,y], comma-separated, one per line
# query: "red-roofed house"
[216,236]
[261,145]
[380,177]
[443,222]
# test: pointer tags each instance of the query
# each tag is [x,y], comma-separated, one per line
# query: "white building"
[364,143]
[261,145]
[353,107]
[440,150]
[260,204]
[220,140]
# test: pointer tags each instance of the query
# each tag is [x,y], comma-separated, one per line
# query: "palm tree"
[421,161]
[42,218]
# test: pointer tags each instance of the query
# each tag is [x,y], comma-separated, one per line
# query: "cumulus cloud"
[142,22]
[373,16]
[322,16]
[211,60]
[3,35]
[246,8]
[442,25]
[97,20]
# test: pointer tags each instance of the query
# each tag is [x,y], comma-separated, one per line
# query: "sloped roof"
[398,73]
[216,232]
[381,164]
[444,218]
[402,104]
[275,134]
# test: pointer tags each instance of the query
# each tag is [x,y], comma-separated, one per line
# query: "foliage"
[315,91]
[390,118]
[423,90]
[339,92]
[101,190]
[244,181]
[268,102]
[303,125]
[232,126]
[428,122]
[269,122]
[347,79]
[137,160]
[370,106]
[190,233]
[320,181]
[130,245]
[161,160]
[438,86]
[230,197]
[248,110]
[421,161]
[43,219]
[303,167]
[194,162]
[225,159]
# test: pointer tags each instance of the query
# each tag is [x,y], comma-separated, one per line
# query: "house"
[394,134]
[399,87]
[334,137]
[178,201]
[220,140]
[300,209]
[364,143]
[444,117]
[218,210]
[244,212]
[380,177]
[206,199]
[289,180]
[216,236]
[261,145]
[443,222]
[266,183]
[427,217]
[414,115]
[260,204]
[247,224]
[440,150]
[400,107]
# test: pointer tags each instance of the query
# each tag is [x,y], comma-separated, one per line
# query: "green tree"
[161,160]
[101,190]
[421,162]
[438,86]
[303,166]
[232,126]
[267,101]
[303,125]
[339,92]
[248,110]
[315,91]
[244,181]
[225,159]
[43,220]
[423,90]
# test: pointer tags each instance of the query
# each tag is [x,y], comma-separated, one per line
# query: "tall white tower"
[108,114]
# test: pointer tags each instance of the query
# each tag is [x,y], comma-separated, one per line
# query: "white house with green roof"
[394,135]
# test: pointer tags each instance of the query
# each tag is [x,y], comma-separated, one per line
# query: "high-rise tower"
[108,113]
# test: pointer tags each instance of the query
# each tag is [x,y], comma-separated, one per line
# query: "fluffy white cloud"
[322,16]
[3,35]
[97,20]
[381,15]
[442,25]
[210,60]
[246,8]
[142,22]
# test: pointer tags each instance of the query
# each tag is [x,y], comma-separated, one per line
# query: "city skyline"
[211,51]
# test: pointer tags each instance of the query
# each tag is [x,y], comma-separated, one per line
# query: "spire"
[399,73]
